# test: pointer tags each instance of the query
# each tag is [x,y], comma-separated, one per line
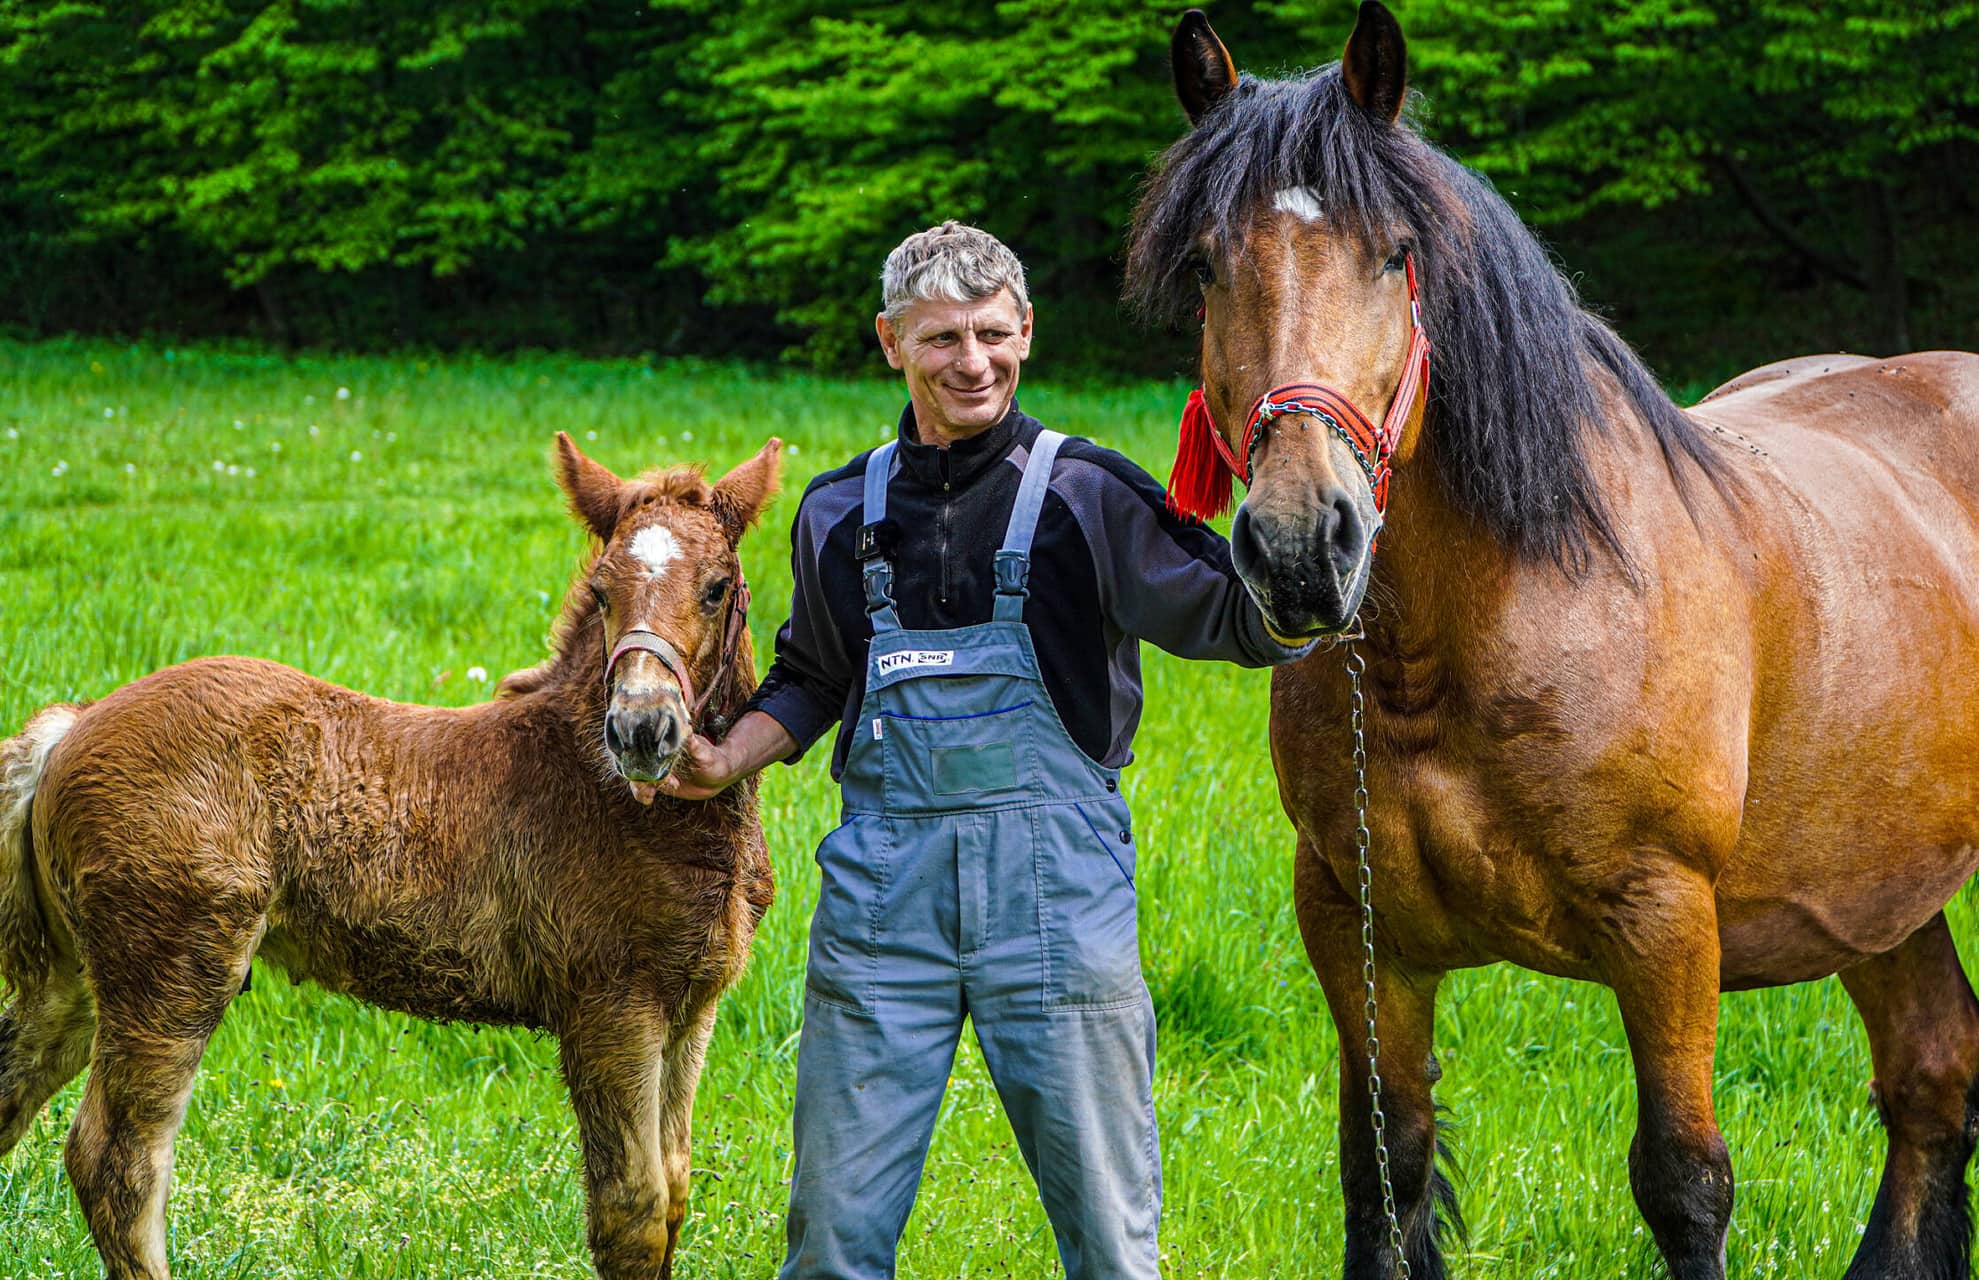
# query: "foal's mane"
[1520,368]
[572,638]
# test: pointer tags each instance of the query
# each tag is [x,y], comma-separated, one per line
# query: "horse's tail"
[24,939]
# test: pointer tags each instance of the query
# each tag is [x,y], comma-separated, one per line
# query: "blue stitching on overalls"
[973,715]
[1102,840]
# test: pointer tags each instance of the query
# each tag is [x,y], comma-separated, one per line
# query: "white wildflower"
[61,468]
[343,393]
[356,455]
[478,675]
[687,435]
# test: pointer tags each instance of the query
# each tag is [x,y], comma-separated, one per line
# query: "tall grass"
[391,524]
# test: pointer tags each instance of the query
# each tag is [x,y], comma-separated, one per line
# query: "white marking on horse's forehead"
[655,547]
[1302,202]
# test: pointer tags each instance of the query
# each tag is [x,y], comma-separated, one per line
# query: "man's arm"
[1169,580]
[707,768]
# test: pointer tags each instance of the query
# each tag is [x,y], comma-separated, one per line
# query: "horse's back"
[1914,411]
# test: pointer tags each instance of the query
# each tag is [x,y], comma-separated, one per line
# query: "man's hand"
[701,773]
[706,769]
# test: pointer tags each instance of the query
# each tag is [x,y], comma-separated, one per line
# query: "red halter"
[1199,485]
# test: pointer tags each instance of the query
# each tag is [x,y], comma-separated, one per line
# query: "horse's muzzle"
[1307,571]
[645,735]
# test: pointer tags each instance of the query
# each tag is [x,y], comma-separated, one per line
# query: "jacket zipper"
[945,487]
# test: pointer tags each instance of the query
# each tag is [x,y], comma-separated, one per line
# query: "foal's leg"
[686,1050]
[44,1042]
[1330,923]
[612,1062]
[155,1013]
[1923,1025]
[1661,957]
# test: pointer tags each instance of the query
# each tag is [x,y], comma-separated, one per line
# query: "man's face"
[961,361]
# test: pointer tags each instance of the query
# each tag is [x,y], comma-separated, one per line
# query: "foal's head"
[668,590]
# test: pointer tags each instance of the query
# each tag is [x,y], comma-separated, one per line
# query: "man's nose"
[973,358]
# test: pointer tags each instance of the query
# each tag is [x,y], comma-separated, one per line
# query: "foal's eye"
[598,594]
[714,593]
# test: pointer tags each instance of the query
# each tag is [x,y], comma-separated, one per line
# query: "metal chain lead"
[1356,667]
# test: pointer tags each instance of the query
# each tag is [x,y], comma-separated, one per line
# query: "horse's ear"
[1375,65]
[741,494]
[593,490]
[1203,70]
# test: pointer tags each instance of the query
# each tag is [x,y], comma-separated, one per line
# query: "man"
[968,607]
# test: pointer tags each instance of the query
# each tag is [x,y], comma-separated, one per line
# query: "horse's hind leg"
[44,1042]
[1923,1025]
[155,1014]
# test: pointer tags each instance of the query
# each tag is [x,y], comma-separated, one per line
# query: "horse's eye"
[714,593]
[598,594]
[1397,260]
[1205,274]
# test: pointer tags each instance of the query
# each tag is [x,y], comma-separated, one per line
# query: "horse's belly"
[427,978]
[1829,919]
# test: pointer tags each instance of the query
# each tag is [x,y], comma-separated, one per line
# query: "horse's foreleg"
[1660,954]
[1923,1025]
[612,1061]
[686,1050]
[1330,923]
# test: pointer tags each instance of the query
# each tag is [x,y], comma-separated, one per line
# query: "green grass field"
[391,524]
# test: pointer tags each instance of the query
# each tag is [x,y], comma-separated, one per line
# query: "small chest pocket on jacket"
[946,762]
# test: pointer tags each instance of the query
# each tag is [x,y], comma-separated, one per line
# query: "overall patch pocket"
[944,762]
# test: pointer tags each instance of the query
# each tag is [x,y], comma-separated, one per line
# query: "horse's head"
[1313,361]
[670,598]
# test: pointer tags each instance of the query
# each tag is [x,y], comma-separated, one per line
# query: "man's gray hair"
[952,263]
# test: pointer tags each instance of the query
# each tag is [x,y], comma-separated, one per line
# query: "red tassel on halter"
[1199,486]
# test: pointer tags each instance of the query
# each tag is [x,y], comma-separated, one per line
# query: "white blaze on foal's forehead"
[655,547]
[1301,202]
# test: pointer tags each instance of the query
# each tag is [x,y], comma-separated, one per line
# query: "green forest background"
[1731,181]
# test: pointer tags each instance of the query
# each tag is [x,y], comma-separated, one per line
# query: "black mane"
[1519,366]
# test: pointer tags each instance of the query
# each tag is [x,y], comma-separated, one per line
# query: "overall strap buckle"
[879,585]
[1013,573]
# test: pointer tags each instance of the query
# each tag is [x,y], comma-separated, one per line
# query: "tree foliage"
[734,173]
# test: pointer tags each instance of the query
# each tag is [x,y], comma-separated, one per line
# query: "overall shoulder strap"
[876,568]
[1013,561]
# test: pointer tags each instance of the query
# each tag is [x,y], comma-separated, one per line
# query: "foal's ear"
[741,495]
[1376,63]
[1203,70]
[593,490]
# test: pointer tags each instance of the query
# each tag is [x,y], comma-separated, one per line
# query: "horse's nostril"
[1245,550]
[612,738]
[671,734]
[1346,537]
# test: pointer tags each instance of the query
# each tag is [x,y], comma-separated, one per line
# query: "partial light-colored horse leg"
[1660,955]
[154,1017]
[613,1063]
[1923,1025]
[44,1042]
[685,1053]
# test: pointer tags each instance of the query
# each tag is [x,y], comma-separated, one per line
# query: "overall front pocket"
[853,865]
[1085,868]
[947,762]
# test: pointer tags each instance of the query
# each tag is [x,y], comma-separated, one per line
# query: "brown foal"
[1673,701]
[502,863]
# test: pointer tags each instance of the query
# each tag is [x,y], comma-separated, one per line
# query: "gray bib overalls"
[984,867]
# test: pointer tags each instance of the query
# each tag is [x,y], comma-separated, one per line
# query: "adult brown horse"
[503,863]
[1673,701]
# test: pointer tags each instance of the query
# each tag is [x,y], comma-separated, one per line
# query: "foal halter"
[1373,446]
[640,640]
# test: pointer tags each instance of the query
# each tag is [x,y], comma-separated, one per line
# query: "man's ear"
[741,495]
[593,490]
[889,338]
